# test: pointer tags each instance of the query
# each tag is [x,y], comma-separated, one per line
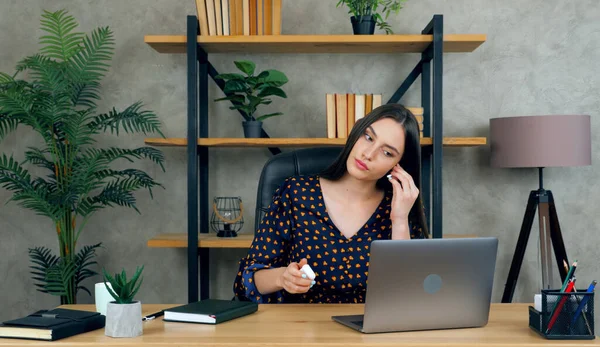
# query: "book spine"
[268,17]
[218,17]
[276,17]
[202,17]
[226,24]
[341,115]
[210,11]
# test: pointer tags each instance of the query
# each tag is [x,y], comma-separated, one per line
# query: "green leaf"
[275,78]
[91,63]
[131,120]
[245,66]
[254,102]
[60,43]
[268,91]
[235,98]
[123,290]
[42,259]
[234,86]
[83,260]
[263,117]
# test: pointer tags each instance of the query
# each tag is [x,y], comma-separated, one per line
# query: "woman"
[328,221]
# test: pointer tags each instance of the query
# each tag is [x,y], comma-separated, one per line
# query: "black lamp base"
[227,233]
[550,235]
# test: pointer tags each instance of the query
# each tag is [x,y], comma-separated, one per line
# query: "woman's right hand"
[292,281]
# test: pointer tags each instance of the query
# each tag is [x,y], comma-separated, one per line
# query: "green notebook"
[210,311]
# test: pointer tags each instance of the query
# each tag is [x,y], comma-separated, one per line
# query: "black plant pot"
[252,129]
[363,25]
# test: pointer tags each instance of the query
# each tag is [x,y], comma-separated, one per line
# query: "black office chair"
[307,161]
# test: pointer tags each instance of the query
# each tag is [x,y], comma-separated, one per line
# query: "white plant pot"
[123,320]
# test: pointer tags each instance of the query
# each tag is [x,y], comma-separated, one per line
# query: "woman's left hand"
[405,194]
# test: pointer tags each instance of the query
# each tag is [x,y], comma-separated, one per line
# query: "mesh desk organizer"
[574,319]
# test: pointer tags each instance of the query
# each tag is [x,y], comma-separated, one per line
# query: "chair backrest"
[306,161]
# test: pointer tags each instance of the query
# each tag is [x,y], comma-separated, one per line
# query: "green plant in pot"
[54,93]
[368,13]
[124,315]
[249,91]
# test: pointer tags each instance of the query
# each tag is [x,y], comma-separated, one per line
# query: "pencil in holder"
[564,316]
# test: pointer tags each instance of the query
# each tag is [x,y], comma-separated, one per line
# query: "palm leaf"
[43,259]
[60,275]
[85,94]
[132,119]
[83,259]
[8,124]
[38,158]
[60,43]
[118,192]
[18,105]
[46,72]
[114,153]
[142,179]
[91,62]
[15,178]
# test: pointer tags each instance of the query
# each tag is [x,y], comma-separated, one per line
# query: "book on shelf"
[343,110]
[239,17]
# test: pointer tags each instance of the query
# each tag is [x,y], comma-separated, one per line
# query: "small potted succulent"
[124,315]
[367,13]
[247,92]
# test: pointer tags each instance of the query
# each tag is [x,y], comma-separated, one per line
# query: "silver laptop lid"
[429,284]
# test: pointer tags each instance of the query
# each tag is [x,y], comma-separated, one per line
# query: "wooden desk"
[304,325]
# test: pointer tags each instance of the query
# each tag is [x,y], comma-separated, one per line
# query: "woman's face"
[377,150]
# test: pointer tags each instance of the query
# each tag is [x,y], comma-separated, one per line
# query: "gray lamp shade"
[541,141]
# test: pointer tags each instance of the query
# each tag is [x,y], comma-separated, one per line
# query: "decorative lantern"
[227,216]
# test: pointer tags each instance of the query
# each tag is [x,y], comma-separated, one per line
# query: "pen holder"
[573,321]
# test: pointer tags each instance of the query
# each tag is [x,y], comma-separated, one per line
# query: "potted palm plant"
[368,13]
[124,315]
[247,92]
[55,94]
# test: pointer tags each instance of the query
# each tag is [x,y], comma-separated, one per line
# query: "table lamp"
[539,142]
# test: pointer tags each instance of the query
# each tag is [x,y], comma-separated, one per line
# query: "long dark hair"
[410,161]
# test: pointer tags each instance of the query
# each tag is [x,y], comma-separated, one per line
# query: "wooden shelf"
[179,240]
[298,142]
[453,43]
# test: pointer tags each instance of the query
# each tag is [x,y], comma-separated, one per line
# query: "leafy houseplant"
[248,92]
[124,315]
[58,102]
[367,13]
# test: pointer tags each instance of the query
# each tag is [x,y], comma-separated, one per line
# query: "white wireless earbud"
[308,271]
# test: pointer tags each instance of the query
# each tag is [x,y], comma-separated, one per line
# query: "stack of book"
[343,110]
[239,17]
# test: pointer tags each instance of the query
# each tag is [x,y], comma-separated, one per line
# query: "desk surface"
[302,325]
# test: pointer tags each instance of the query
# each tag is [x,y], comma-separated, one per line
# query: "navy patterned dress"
[298,226]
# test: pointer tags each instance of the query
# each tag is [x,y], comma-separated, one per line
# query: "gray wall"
[540,57]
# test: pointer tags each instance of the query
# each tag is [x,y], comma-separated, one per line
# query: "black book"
[210,311]
[52,325]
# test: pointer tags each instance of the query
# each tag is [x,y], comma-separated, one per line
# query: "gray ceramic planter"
[123,320]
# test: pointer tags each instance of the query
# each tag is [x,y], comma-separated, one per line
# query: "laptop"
[427,284]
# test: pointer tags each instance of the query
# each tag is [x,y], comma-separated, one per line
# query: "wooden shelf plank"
[179,240]
[453,43]
[298,142]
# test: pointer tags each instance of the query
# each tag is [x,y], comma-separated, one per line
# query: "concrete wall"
[540,58]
